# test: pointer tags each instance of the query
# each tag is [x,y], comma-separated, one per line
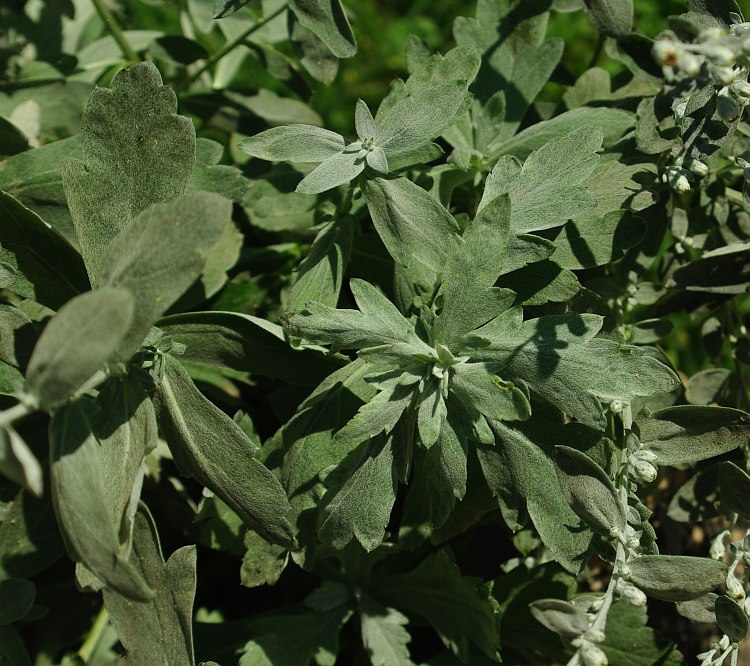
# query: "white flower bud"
[741,89]
[678,179]
[724,642]
[634,596]
[746,606]
[591,655]
[595,636]
[719,55]
[615,406]
[597,604]
[689,64]
[724,75]
[728,108]
[709,34]
[697,167]
[678,108]
[625,571]
[645,454]
[718,548]
[735,589]
[665,52]
[642,471]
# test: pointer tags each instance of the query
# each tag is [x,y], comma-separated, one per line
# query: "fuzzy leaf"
[136,151]
[547,191]
[294,143]
[77,342]
[734,484]
[159,631]
[560,616]
[686,434]
[209,446]
[589,490]
[732,619]
[160,254]
[383,634]
[676,577]
[47,269]
[336,170]
[613,18]
[16,599]
[361,495]
[480,389]
[80,500]
[327,20]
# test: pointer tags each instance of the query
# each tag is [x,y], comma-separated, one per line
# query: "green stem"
[94,635]
[114,29]
[15,413]
[231,45]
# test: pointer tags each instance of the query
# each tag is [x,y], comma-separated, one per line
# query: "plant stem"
[95,633]
[231,45]
[114,29]
[14,413]
[735,656]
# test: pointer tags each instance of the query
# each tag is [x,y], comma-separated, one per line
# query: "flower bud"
[718,548]
[634,596]
[615,406]
[643,471]
[591,655]
[645,454]
[688,64]
[719,55]
[709,34]
[678,108]
[724,75]
[741,89]
[595,635]
[678,179]
[728,108]
[625,571]
[735,589]
[697,167]
[665,52]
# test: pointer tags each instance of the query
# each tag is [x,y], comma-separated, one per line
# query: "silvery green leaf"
[559,358]
[246,343]
[47,269]
[480,389]
[160,254]
[613,18]
[589,490]
[560,616]
[676,577]
[543,282]
[16,599]
[77,342]
[686,434]
[433,591]
[336,170]
[383,634]
[378,415]
[363,121]
[209,446]
[159,631]
[521,473]
[376,159]
[18,463]
[379,323]
[294,143]
[327,19]
[430,412]
[548,190]
[612,122]
[420,117]
[80,500]
[411,224]
[734,485]
[263,562]
[362,490]
[136,151]
[313,54]
[321,272]
[700,609]
[460,63]
[525,249]
[732,619]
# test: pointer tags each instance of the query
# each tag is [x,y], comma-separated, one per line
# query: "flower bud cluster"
[642,468]
[630,593]
[714,58]
[716,654]
[588,650]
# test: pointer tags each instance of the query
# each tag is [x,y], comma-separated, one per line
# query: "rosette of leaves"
[455,377]
[401,133]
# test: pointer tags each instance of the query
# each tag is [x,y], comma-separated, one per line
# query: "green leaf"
[384,634]
[362,490]
[676,577]
[16,599]
[29,539]
[263,562]
[47,268]
[12,650]
[18,462]
[480,389]
[160,254]
[321,272]
[630,642]
[294,143]
[734,485]
[547,191]
[700,609]
[159,631]
[413,226]
[209,446]
[590,492]
[77,342]
[327,19]
[613,18]
[456,606]
[80,500]
[558,358]
[136,151]
[249,344]
[334,171]
[686,434]
[732,619]
[560,616]
[521,473]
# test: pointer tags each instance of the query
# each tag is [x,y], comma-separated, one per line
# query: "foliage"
[411,368]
